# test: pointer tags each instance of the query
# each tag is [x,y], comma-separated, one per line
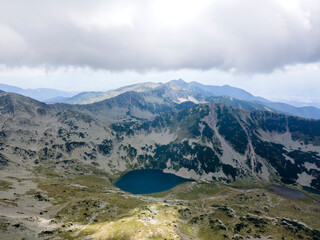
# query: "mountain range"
[58,164]
[161,128]
[178,91]
[41,94]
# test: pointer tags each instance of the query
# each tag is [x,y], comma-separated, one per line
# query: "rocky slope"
[205,141]
[57,164]
[215,141]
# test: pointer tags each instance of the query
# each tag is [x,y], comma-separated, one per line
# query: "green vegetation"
[231,129]
[305,130]
[89,206]
[5,185]
[250,183]
[269,121]
[105,147]
[72,145]
[187,156]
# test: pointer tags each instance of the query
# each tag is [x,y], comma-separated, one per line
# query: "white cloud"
[245,36]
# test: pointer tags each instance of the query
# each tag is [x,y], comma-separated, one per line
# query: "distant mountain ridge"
[211,90]
[92,97]
[226,90]
[41,94]
[306,112]
[177,91]
[176,85]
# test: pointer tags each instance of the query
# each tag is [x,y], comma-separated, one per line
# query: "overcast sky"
[270,48]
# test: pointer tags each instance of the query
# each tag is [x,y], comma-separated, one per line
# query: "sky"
[270,48]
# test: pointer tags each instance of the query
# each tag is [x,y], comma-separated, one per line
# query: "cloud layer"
[231,35]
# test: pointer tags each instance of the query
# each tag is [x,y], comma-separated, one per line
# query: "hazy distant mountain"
[208,90]
[91,97]
[41,94]
[246,105]
[180,91]
[145,105]
[192,88]
[302,104]
[306,112]
[85,98]
[177,91]
[56,100]
[211,90]
[232,95]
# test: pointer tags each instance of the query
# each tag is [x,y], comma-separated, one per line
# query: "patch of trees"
[231,129]
[105,147]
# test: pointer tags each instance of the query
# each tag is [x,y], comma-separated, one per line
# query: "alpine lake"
[146,181]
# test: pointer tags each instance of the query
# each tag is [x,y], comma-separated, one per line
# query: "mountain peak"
[12,103]
[179,83]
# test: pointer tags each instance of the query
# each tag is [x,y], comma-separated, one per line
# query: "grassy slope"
[89,206]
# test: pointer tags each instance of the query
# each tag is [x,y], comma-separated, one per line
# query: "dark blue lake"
[148,181]
[287,192]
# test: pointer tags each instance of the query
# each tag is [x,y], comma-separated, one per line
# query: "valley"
[58,163]
[163,120]
[90,207]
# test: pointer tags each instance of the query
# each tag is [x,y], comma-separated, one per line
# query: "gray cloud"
[242,35]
